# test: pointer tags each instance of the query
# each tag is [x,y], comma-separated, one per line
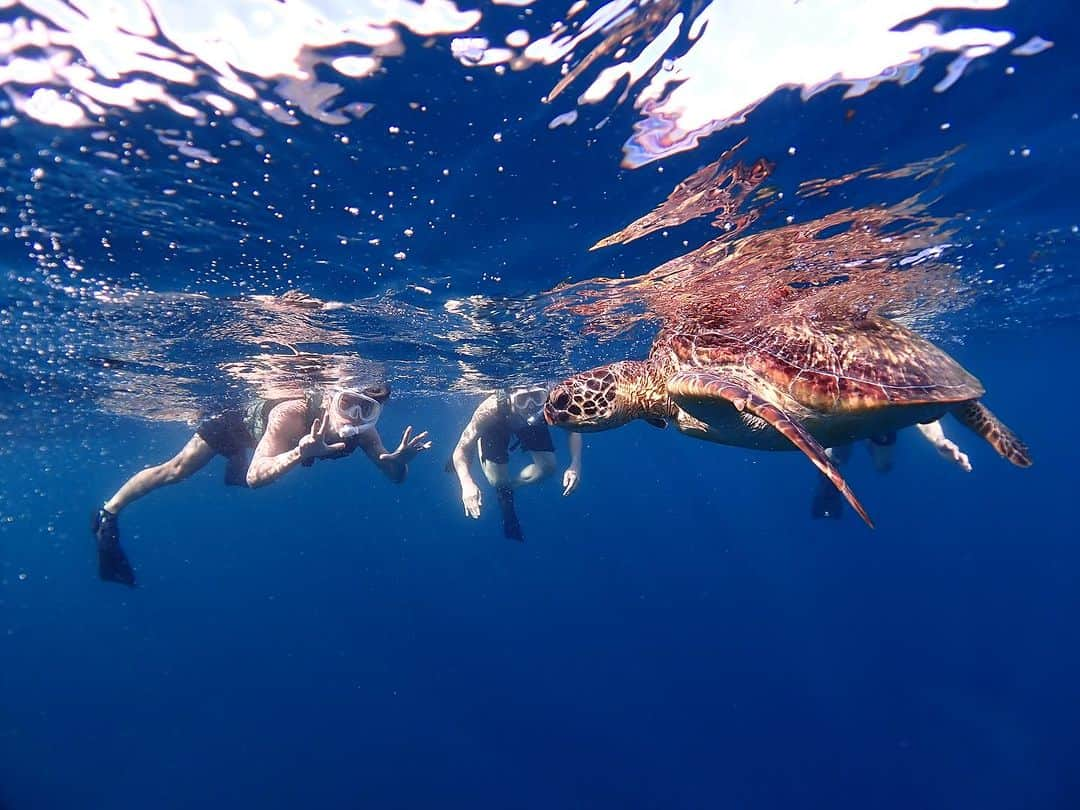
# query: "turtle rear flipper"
[687,386]
[976,416]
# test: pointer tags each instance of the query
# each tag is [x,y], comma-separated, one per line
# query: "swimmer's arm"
[466,446]
[574,442]
[572,476]
[371,444]
[278,451]
[395,465]
[935,434]
[464,451]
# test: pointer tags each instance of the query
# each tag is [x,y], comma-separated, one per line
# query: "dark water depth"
[678,633]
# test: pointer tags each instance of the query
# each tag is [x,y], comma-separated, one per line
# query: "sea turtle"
[784,383]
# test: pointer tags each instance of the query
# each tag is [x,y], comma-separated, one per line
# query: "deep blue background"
[678,633]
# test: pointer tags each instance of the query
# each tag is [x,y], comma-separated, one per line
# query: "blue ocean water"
[678,632]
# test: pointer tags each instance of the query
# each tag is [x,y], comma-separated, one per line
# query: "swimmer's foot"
[827,503]
[511,526]
[113,565]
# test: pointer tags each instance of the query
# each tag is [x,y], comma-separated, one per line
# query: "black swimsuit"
[226,434]
[496,434]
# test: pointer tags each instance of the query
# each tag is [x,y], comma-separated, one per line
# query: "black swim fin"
[511,526]
[113,565]
[827,502]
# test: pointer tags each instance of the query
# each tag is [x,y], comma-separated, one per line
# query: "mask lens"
[356,407]
[526,401]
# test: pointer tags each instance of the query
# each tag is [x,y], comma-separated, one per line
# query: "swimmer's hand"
[296,298]
[410,447]
[951,452]
[313,445]
[470,496]
[570,480]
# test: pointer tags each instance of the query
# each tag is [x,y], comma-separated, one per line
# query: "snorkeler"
[283,433]
[515,414]
[828,502]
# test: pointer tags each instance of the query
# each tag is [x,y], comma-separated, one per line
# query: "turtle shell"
[846,366]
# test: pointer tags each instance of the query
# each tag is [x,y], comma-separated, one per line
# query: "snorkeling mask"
[354,411]
[529,404]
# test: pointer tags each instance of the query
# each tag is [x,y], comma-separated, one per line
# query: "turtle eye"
[562,400]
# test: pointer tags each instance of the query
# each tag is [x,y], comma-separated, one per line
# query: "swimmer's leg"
[543,465]
[827,501]
[498,475]
[882,448]
[236,467]
[113,565]
[195,455]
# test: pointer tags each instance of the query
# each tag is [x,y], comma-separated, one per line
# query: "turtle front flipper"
[978,418]
[687,386]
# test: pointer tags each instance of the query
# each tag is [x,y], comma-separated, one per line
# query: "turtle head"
[599,399]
